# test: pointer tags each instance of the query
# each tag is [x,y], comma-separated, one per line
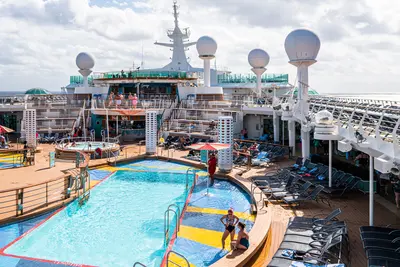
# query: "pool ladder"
[183,258]
[193,171]
[139,264]
[176,211]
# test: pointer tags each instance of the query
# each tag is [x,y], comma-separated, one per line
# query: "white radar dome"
[302,45]
[258,58]
[84,61]
[324,117]
[206,46]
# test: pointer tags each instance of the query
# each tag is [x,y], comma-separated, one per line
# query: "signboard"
[203,156]
[52,159]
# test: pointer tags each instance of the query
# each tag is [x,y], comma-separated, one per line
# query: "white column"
[107,126]
[225,136]
[330,163]
[292,135]
[84,124]
[305,144]
[207,69]
[29,118]
[151,132]
[258,85]
[302,94]
[276,127]
[371,191]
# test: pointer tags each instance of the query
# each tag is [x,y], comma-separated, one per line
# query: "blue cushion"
[313,170]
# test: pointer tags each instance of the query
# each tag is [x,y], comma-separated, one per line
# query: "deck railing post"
[47,194]
[16,202]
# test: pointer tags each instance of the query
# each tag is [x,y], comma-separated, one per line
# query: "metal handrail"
[193,170]
[179,255]
[177,212]
[139,264]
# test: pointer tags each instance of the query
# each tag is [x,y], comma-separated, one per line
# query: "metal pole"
[84,122]
[283,133]
[208,180]
[330,163]
[371,190]
[107,126]
[116,125]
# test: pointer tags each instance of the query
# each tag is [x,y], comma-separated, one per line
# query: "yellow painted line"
[93,183]
[240,215]
[113,169]
[175,260]
[206,237]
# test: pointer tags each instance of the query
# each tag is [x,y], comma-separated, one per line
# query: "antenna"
[176,13]
[142,63]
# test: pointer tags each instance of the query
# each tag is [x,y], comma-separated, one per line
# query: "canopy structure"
[37,91]
[210,147]
[4,129]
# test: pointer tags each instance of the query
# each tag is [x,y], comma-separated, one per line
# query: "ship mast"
[179,45]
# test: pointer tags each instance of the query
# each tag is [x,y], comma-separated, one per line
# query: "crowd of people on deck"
[117,99]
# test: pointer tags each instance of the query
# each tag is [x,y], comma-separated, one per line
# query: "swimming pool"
[90,146]
[8,161]
[123,222]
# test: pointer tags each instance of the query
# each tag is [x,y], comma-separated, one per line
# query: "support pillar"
[292,136]
[207,70]
[330,163]
[371,191]
[276,127]
[305,144]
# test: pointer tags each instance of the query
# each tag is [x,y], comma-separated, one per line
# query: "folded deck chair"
[379,235]
[311,230]
[382,262]
[279,187]
[292,191]
[377,229]
[392,245]
[316,220]
[301,198]
[383,254]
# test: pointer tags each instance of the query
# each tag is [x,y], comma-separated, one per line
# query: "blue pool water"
[93,146]
[123,222]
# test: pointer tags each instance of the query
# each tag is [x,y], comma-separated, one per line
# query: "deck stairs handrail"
[193,171]
[179,256]
[177,212]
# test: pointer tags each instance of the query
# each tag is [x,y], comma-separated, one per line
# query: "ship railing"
[19,201]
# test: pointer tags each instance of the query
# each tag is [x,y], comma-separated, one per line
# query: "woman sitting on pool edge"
[230,223]
[243,238]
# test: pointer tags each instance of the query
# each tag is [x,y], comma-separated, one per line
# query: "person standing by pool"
[229,221]
[396,188]
[212,167]
[243,238]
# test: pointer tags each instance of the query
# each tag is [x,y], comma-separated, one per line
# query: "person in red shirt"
[212,167]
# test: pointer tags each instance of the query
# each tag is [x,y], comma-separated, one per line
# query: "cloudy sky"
[360,39]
